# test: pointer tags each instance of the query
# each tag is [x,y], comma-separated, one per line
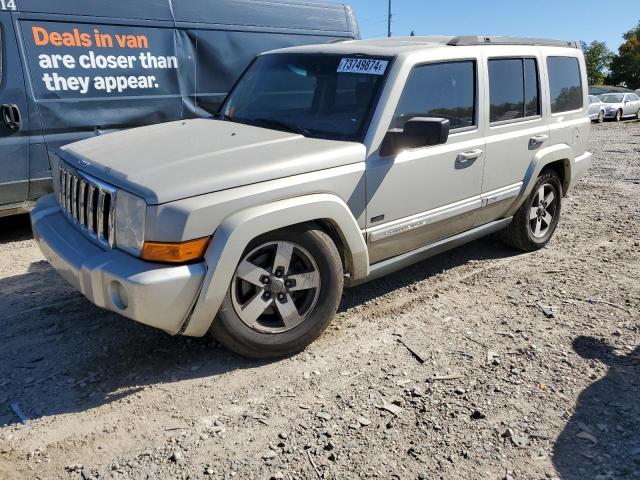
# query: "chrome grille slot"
[90,204]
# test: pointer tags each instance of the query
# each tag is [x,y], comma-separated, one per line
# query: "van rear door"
[14,119]
[91,75]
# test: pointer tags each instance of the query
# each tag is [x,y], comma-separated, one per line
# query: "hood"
[177,160]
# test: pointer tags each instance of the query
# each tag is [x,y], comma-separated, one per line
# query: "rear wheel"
[283,295]
[536,220]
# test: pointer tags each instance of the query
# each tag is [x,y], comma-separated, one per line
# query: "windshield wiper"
[223,116]
[280,125]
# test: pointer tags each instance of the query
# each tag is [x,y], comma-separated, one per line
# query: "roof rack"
[464,41]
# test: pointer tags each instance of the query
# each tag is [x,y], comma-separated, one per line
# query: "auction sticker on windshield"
[368,66]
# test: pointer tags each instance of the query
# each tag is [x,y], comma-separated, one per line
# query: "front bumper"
[155,294]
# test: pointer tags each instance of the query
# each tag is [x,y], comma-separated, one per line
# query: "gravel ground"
[449,369]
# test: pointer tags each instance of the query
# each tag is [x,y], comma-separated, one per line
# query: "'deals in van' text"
[76,38]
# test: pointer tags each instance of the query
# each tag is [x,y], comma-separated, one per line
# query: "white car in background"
[596,109]
[621,105]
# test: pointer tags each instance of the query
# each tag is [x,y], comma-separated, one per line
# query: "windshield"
[612,98]
[316,95]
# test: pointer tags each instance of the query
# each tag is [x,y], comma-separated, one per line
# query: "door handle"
[10,116]
[468,156]
[537,140]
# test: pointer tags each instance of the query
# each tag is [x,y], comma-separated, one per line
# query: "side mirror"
[417,132]
[433,131]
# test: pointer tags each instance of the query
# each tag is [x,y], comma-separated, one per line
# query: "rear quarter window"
[565,84]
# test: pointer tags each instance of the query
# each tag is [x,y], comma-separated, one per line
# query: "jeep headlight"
[130,217]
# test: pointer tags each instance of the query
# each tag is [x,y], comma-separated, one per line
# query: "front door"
[14,128]
[631,105]
[418,196]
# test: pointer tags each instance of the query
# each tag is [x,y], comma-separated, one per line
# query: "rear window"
[513,84]
[565,84]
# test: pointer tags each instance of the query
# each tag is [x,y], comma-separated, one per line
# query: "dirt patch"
[453,368]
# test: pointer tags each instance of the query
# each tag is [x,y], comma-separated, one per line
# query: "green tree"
[598,58]
[625,67]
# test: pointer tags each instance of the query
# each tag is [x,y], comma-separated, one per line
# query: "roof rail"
[463,41]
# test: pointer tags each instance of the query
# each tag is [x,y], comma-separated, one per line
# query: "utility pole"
[389,21]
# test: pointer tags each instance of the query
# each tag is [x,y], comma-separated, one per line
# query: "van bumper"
[580,166]
[154,294]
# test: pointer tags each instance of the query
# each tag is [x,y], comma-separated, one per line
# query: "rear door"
[14,124]
[516,128]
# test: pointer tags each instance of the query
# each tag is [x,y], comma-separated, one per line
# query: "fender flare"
[238,229]
[561,152]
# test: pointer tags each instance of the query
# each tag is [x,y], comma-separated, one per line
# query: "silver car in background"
[621,105]
[596,109]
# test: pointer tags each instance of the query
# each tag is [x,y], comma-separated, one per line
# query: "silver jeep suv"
[327,165]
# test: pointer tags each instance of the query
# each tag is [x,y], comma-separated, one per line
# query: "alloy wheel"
[275,287]
[542,211]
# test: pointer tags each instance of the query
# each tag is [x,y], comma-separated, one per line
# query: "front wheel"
[601,117]
[283,295]
[536,220]
[618,116]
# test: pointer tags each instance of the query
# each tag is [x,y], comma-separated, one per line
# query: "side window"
[514,89]
[531,88]
[444,90]
[565,84]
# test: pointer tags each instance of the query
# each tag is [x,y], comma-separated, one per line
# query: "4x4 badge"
[84,163]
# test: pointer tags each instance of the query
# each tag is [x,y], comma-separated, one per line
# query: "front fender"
[237,230]
[561,152]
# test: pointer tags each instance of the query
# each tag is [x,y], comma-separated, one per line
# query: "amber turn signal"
[175,252]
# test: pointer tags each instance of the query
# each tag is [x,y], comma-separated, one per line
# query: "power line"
[389,20]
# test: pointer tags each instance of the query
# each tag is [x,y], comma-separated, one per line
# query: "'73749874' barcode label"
[369,66]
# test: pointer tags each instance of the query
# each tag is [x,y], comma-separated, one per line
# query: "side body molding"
[554,153]
[237,230]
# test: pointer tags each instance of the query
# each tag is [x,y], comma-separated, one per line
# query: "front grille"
[90,204]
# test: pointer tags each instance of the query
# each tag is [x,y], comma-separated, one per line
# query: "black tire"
[520,234]
[618,117]
[232,332]
[601,117]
